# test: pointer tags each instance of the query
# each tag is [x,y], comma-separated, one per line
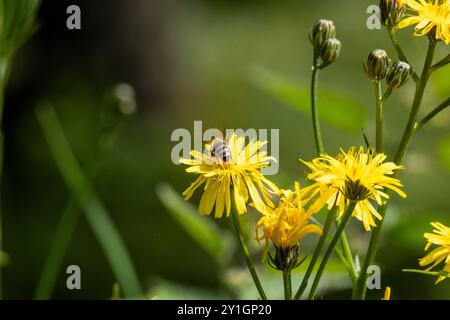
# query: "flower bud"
[330,51]
[322,31]
[392,12]
[377,65]
[398,75]
[286,259]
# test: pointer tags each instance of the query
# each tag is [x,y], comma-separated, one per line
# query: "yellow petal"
[208,198]
[409,21]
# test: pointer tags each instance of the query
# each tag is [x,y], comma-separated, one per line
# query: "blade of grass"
[203,231]
[55,257]
[61,241]
[86,198]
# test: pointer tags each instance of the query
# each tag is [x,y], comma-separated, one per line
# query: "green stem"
[401,55]
[441,63]
[319,147]
[433,113]
[410,127]
[348,256]
[379,116]
[345,219]
[314,108]
[246,252]
[287,285]
[325,231]
[96,214]
[360,289]
[339,251]
[429,273]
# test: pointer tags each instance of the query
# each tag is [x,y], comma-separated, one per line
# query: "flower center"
[355,190]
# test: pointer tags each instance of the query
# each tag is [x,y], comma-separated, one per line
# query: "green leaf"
[443,152]
[336,110]
[203,231]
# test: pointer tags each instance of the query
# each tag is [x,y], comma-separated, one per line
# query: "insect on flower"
[230,169]
[220,151]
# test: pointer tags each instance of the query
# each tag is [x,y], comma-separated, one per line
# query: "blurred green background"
[237,64]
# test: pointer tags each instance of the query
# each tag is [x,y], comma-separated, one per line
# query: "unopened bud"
[322,31]
[377,65]
[392,11]
[331,50]
[398,74]
[286,259]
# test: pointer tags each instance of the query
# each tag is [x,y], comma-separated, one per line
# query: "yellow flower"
[287,223]
[387,294]
[431,16]
[356,176]
[440,237]
[237,177]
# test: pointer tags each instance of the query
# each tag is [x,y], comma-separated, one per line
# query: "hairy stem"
[318,132]
[287,285]
[316,254]
[441,63]
[429,273]
[346,217]
[348,256]
[401,55]
[379,116]
[246,252]
[432,114]
[416,105]
[360,289]
[314,108]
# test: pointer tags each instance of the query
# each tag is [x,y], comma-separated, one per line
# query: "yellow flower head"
[430,16]
[441,238]
[237,177]
[288,223]
[356,176]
